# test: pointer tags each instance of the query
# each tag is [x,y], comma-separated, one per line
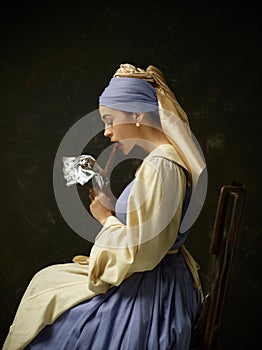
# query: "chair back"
[223,246]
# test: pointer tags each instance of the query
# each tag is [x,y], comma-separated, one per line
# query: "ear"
[138,116]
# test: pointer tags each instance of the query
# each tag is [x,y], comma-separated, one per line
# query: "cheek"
[125,130]
[119,131]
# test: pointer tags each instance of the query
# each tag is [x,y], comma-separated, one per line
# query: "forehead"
[106,111]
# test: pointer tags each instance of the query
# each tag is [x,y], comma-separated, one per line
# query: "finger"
[91,197]
[92,194]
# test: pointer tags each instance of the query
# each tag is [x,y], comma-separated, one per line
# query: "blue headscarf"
[129,95]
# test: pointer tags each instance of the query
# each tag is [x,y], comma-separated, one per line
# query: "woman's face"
[120,127]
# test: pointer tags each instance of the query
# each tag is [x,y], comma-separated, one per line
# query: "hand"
[101,206]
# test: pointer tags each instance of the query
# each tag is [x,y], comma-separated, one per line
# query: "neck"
[151,138]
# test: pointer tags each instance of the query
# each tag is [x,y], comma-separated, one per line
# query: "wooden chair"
[229,211]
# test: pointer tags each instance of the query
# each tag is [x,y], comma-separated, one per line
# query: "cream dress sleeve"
[153,218]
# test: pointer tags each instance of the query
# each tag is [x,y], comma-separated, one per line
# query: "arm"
[153,219]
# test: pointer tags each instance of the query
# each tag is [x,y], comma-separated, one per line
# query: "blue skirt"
[151,310]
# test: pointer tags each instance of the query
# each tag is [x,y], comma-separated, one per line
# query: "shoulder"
[162,161]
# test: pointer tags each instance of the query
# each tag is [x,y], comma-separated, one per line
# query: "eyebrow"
[106,115]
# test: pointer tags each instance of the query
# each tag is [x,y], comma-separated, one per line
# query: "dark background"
[55,61]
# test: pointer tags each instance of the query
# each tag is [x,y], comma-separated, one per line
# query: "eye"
[109,123]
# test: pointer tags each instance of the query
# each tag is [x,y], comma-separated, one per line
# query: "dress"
[151,309]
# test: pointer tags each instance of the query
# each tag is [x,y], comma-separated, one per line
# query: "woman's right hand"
[102,206]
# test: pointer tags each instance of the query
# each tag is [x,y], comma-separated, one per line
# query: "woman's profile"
[139,289]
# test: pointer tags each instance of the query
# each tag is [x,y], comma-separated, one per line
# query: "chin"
[125,152]
[126,149]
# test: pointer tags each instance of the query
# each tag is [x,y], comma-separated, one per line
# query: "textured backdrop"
[56,59]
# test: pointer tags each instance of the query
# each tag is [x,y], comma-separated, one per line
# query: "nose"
[108,132]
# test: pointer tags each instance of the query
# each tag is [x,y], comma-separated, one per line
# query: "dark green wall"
[54,63]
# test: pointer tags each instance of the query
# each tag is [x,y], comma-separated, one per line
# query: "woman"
[139,289]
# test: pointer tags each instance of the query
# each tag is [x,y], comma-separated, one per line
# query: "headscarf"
[129,95]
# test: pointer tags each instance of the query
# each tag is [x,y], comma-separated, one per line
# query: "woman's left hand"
[100,206]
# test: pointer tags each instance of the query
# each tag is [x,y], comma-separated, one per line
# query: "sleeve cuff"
[112,220]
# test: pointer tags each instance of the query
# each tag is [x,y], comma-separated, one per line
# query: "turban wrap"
[129,95]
